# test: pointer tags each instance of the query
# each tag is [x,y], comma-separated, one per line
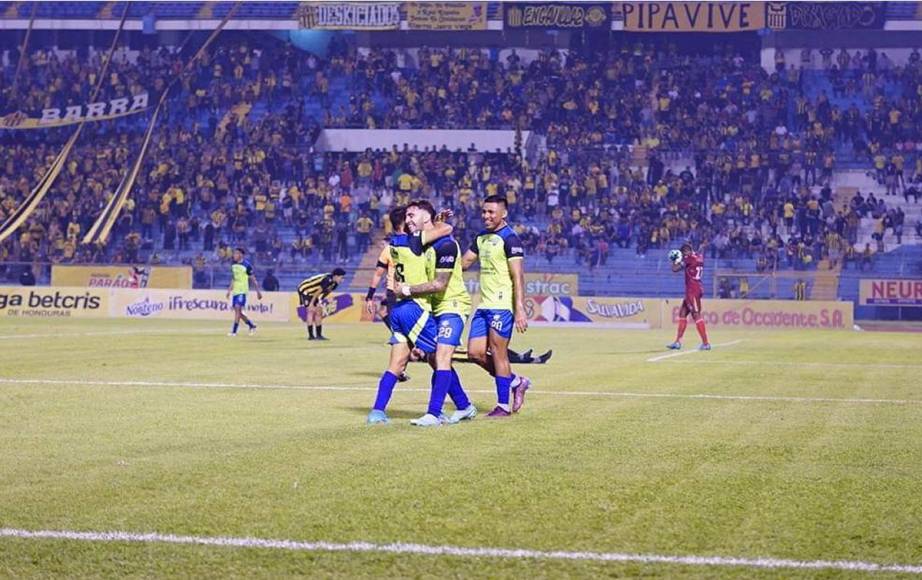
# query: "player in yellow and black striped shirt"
[311,292]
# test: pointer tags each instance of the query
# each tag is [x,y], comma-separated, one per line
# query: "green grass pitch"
[810,449]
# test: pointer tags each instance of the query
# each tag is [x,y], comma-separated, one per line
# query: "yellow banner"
[879,292]
[536,284]
[195,305]
[122,276]
[692,16]
[71,115]
[768,314]
[447,15]
[35,302]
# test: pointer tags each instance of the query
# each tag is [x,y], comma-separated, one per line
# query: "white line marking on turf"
[458,551]
[151,331]
[802,364]
[688,352]
[359,388]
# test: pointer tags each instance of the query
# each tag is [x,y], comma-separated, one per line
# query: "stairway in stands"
[825,282]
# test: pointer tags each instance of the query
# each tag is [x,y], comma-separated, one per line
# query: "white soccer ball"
[675,256]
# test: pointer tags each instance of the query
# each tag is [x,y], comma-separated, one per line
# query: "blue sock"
[236,325]
[440,385]
[456,392]
[385,389]
[503,384]
[250,323]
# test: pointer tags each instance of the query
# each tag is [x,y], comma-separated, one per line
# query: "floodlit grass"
[797,479]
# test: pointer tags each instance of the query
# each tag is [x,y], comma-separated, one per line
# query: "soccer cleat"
[322,338]
[377,417]
[426,420]
[498,413]
[463,415]
[518,394]
[404,377]
[674,346]
[253,331]
[231,334]
[705,346]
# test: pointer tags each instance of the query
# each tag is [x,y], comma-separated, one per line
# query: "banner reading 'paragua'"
[122,276]
[447,15]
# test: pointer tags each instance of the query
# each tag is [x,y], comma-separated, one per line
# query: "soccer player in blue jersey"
[451,304]
[411,321]
[242,276]
[502,303]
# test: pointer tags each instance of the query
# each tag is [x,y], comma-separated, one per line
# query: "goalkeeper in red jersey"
[693,264]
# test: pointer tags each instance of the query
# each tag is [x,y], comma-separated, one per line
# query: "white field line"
[460,552]
[361,388]
[151,331]
[688,352]
[802,364]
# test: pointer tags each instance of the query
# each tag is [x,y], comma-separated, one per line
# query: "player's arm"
[515,257]
[438,284]
[517,273]
[253,282]
[380,272]
[446,256]
[677,266]
[230,287]
[439,230]
[470,256]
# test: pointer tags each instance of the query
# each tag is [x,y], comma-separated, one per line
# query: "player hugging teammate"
[431,304]
[693,264]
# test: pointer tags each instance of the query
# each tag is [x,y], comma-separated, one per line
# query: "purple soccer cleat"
[518,394]
[498,413]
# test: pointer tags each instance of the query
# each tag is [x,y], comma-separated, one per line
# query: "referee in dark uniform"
[311,292]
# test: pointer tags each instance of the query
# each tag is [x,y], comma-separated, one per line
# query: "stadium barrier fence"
[627,312]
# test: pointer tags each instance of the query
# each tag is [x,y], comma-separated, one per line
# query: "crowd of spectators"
[760,152]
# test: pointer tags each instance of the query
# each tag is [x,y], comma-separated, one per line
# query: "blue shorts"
[411,324]
[239,300]
[450,327]
[486,319]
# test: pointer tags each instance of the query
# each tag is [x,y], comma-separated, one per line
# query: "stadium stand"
[640,147]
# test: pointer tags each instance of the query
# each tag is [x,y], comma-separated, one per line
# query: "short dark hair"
[497,199]
[339,272]
[398,216]
[423,205]
[688,246]
[241,250]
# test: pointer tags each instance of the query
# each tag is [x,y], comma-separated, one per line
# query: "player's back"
[408,256]
[694,268]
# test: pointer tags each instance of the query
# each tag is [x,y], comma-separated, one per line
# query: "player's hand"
[444,215]
[521,321]
[228,294]
[404,290]
[259,295]
[370,306]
